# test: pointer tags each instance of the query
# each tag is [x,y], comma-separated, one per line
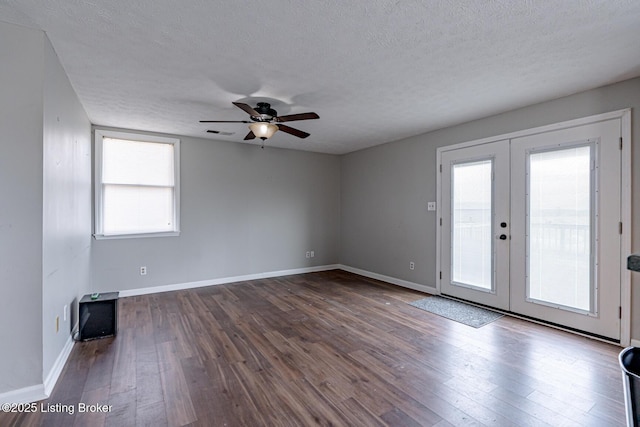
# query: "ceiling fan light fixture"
[263,130]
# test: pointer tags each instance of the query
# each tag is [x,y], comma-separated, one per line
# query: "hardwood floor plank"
[583,418]
[357,414]
[328,348]
[177,399]
[84,414]
[148,384]
[312,406]
[533,409]
[201,391]
[152,415]
[238,409]
[123,409]
[100,355]
[396,417]
[418,387]
[123,377]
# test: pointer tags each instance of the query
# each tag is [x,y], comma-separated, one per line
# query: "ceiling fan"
[261,117]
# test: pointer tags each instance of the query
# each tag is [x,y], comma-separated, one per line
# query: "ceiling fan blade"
[246,108]
[250,135]
[219,132]
[292,131]
[224,121]
[301,116]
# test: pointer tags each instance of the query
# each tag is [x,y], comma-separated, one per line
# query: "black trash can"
[630,364]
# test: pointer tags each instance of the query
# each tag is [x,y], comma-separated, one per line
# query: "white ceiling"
[374,70]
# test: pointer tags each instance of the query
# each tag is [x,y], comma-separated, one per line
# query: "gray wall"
[385,223]
[66,238]
[20,207]
[45,214]
[244,210]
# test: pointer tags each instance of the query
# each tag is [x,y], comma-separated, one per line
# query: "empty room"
[291,214]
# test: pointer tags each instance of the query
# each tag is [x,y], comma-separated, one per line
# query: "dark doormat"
[455,310]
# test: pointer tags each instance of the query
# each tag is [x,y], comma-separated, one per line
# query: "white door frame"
[625,199]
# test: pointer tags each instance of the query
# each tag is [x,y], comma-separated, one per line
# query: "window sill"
[135,236]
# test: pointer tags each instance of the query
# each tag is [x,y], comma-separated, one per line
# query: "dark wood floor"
[328,348]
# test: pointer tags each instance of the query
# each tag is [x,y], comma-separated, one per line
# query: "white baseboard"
[58,366]
[270,274]
[225,280]
[635,343]
[392,280]
[40,391]
[24,395]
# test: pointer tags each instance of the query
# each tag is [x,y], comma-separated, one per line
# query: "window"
[136,185]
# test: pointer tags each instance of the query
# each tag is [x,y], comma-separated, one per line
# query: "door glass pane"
[471,242]
[559,227]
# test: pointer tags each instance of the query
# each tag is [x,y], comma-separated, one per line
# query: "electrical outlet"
[431,206]
[308,254]
[143,271]
[412,265]
[313,254]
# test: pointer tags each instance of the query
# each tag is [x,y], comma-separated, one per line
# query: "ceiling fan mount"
[261,117]
[266,113]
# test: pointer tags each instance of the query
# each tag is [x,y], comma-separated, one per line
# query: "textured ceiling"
[374,70]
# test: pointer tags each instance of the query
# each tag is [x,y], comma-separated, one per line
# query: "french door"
[531,225]
[475,216]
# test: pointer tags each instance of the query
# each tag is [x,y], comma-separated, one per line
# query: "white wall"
[244,210]
[20,207]
[66,239]
[385,189]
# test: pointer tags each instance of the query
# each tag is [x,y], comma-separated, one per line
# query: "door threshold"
[538,321]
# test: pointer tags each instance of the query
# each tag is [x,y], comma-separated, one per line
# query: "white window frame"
[99,134]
